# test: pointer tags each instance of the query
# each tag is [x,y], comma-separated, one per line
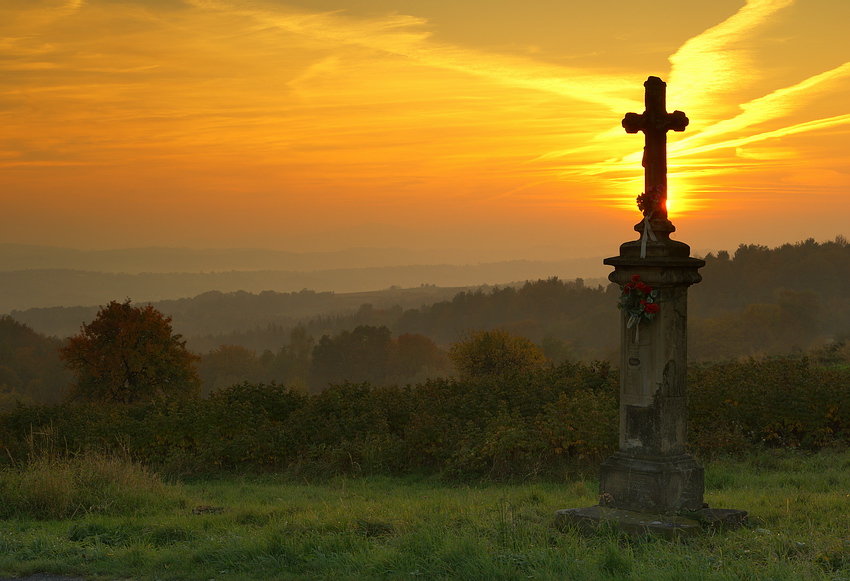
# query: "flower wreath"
[638,301]
[650,201]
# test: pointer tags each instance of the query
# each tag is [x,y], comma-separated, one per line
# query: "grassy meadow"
[104,517]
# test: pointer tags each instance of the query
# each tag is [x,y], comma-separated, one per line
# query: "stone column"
[651,478]
[651,471]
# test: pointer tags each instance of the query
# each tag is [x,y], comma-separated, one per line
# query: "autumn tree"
[496,352]
[130,354]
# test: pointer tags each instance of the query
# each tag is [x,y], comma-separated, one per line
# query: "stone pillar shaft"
[651,471]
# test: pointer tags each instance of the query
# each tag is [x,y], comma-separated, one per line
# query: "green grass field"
[104,518]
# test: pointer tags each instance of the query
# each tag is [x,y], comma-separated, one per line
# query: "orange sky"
[325,124]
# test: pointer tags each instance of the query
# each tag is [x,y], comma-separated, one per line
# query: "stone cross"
[651,484]
[655,122]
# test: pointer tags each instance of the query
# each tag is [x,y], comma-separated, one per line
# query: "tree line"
[755,302]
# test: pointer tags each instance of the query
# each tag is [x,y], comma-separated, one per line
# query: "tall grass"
[56,484]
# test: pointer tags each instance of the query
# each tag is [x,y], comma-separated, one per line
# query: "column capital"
[657,272]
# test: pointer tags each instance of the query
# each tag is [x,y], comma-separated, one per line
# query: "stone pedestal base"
[636,524]
[662,486]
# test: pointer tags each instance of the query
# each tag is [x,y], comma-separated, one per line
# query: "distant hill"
[205,260]
[170,260]
[215,313]
[53,287]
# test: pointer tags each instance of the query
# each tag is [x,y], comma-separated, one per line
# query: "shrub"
[495,353]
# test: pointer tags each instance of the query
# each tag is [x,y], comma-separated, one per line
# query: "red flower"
[637,301]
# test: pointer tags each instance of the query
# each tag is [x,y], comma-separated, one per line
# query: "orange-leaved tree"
[130,354]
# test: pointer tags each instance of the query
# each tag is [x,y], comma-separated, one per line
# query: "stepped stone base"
[659,485]
[590,520]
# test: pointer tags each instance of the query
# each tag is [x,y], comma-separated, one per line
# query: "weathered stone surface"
[664,485]
[592,519]
[653,360]
[651,471]
[589,520]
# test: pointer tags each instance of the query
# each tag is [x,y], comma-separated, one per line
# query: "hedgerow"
[537,421]
[787,402]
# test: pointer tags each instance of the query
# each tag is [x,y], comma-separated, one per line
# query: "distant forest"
[756,302]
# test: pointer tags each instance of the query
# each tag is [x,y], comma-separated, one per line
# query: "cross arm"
[677,121]
[633,122]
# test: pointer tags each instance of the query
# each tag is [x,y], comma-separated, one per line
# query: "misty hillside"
[65,278]
[757,302]
[792,294]
[216,312]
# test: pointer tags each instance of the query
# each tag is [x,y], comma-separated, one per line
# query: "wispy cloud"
[815,125]
[408,37]
[39,13]
[718,63]
[22,46]
[777,105]
[28,66]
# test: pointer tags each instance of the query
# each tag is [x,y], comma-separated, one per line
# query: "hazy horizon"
[21,256]
[40,277]
[167,259]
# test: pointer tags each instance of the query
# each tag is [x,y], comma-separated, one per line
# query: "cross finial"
[655,122]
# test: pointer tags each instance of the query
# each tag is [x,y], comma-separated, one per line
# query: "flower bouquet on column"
[638,302]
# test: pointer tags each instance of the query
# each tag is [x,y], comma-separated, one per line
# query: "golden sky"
[324,124]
